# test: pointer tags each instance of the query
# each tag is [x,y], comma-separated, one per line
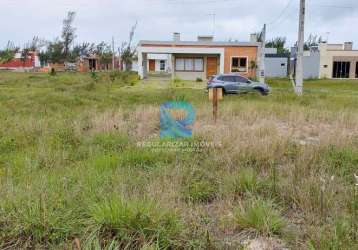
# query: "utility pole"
[300,47]
[119,60]
[113,54]
[262,55]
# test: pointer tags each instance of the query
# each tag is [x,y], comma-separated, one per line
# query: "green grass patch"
[261,215]
[136,224]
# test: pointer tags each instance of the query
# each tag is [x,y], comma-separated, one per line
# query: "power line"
[282,12]
[334,6]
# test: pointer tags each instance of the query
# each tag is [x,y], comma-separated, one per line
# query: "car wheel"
[260,91]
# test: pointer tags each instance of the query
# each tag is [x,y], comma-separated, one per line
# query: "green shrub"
[260,215]
[246,181]
[53,72]
[94,75]
[199,79]
[136,224]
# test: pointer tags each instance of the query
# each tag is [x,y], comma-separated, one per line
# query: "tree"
[55,51]
[278,43]
[44,57]
[312,41]
[259,36]
[128,52]
[84,49]
[8,53]
[32,46]
[68,33]
[104,53]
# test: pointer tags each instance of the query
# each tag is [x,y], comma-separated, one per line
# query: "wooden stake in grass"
[215,95]
[77,244]
[215,105]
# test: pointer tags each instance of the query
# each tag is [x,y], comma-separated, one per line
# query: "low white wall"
[191,76]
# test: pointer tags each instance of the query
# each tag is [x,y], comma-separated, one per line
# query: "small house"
[338,61]
[21,64]
[201,59]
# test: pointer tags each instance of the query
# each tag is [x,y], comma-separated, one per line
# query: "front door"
[151,65]
[357,70]
[92,63]
[341,69]
[212,66]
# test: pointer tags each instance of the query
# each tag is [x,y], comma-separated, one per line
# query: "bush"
[94,76]
[260,215]
[53,72]
[136,224]
[246,181]
[199,79]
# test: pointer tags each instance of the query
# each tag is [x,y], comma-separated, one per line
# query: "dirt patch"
[264,244]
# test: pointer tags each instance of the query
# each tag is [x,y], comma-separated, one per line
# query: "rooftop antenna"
[214,21]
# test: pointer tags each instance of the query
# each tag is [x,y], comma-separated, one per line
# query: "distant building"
[338,61]
[311,61]
[276,64]
[332,61]
[22,64]
[202,59]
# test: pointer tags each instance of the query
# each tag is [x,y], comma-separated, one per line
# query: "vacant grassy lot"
[73,177]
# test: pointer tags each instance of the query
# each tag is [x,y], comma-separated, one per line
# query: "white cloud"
[99,20]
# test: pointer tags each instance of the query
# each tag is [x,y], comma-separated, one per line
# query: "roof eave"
[197,43]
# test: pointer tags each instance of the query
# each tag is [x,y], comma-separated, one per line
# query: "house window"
[189,64]
[179,64]
[199,64]
[162,65]
[239,64]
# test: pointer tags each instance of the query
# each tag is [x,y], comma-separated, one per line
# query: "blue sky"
[99,20]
